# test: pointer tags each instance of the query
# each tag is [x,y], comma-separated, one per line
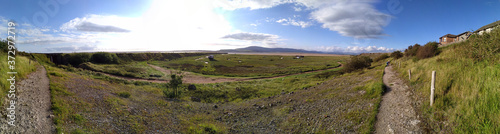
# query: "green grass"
[128,69]
[467,86]
[23,67]
[237,91]
[251,65]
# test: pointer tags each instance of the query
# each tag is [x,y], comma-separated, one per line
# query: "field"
[327,101]
[235,65]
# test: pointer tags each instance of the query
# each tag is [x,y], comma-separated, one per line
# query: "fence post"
[399,63]
[432,86]
[409,74]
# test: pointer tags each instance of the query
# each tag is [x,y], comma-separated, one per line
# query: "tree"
[396,54]
[174,83]
[412,50]
[427,51]
[357,62]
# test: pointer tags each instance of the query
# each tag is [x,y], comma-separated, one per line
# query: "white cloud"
[355,49]
[352,19]
[252,4]
[88,24]
[294,22]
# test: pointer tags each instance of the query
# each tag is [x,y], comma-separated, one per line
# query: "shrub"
[396,54]
[381,57]
[174,84]
[412,50]
[104,58]
[357,62]
[482,47]
[124,94]
[76,59]
[427,51]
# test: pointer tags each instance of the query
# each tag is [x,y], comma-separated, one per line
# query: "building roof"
[463,33]
[496,23]
[449,35]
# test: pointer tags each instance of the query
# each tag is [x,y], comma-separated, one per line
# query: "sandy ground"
[33,105]
[396,114]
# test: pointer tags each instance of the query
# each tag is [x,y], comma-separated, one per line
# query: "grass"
[128,69]
[251,65]
[23,67]
[238,91]
[466,95]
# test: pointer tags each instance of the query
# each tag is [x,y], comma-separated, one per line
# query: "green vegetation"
[466,96]
[428,50]
[175,86]
[381,57]
[129,69]
[251,65]
[357,62]
[396,54]
[104,58]
[23,67]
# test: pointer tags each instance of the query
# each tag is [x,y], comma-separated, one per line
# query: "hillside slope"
[467,86]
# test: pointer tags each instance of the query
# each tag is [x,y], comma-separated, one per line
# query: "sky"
[339,26]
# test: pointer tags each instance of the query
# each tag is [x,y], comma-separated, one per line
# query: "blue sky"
[351,26]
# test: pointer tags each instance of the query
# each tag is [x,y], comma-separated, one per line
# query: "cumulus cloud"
[355,49]
[252,4]
[254,39]
[294,22]
[352,19]
[84,25]
[72,48]
[251,36]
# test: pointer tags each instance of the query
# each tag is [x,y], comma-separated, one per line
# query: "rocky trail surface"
[396,114]
[32,109]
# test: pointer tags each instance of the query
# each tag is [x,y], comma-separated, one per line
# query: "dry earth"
[33,114]
[396,114]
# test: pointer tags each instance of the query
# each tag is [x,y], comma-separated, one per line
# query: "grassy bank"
[23,67]
[467,86]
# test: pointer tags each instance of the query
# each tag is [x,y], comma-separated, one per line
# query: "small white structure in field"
[281,57]
[206,62]
[239,61]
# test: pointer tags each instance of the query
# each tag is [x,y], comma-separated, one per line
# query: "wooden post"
[409,74]
[432,86]
[399,63]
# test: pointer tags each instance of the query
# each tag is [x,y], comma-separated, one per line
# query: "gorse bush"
[396,54]
[76,59]
[427,51]
[357,62]
[104,58]
[381,57]
[412,50]
[481,47]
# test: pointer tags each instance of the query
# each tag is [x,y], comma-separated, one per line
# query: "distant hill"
[256,49]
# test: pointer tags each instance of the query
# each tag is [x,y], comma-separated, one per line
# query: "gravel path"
[396,115]
[33,113]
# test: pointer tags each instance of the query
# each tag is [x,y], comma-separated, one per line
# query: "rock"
[195,99]
[215,106]
[191,87]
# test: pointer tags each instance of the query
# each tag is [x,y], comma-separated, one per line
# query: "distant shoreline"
[288,54]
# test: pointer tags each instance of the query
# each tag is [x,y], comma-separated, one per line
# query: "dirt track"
[33,114]
[396,114]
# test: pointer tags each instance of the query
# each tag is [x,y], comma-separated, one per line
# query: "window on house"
[444,39]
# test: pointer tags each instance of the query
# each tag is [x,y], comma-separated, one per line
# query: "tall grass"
[467,96]
[23,67]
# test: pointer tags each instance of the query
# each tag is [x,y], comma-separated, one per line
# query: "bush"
[104,58]
[427,51]
[124,94]
[396,54]
[76,59]
[381,57]
[357,62]
[174,84]
[412,50]
[482,47]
